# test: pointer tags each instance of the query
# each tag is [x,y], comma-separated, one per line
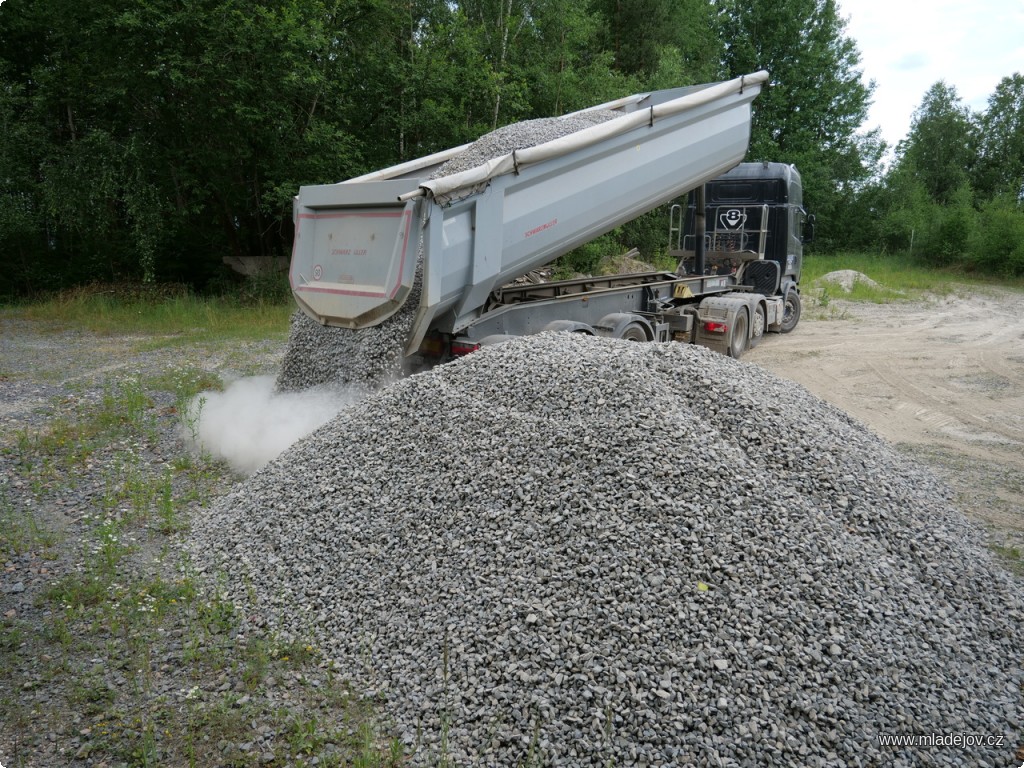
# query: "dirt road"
[942,377]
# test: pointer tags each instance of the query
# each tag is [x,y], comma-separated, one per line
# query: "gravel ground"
[109,655]
[609,552]
[941,377]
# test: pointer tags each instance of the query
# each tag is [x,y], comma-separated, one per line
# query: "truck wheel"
[634,332]
[791,311]
[738,335]
[758,326]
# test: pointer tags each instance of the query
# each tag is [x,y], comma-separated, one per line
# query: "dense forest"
[148,139]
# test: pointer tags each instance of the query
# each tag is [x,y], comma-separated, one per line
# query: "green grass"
[186,319]
[900,276]
[1011,557]
[186,382]
[19,531]
[123,411]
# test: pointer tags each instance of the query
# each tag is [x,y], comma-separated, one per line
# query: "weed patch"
[1012,557]
[20,531]
[119,653]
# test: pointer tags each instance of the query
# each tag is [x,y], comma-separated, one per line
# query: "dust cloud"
[249,424]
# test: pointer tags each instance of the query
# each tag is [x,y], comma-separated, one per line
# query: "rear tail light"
[712,326]
[460,348]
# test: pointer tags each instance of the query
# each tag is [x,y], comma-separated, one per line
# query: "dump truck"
[753,208]
[362,247]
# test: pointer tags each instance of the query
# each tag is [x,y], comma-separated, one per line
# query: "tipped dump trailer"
[363,244]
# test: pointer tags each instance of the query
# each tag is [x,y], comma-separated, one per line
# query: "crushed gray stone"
[528,133]
[583,551]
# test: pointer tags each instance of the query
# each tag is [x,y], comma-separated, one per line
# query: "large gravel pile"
[582,551]
[369,357]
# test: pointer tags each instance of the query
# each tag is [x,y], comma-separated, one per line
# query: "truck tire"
[790,311]
[738,335]
[618,324]
[634,332]
[758,326]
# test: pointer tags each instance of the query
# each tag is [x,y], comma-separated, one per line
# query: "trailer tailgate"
[355,252]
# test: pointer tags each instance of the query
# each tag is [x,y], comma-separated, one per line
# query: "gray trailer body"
[359,244]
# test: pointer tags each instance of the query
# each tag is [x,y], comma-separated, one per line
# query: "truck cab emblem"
[733,218]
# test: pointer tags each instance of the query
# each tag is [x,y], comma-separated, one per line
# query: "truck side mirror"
[808,234]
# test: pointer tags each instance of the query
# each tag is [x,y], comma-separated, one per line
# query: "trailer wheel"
[738,335]
[569,326]
[634,332]
[758,326]
[791,311]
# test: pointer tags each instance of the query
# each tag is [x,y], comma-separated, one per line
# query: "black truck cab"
[753,212]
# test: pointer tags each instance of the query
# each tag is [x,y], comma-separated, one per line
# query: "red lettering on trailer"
[541,228]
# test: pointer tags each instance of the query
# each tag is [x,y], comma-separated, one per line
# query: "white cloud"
[907,46]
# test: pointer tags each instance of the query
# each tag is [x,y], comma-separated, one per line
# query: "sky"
[907,46]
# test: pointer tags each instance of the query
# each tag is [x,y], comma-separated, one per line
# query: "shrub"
[997,245]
